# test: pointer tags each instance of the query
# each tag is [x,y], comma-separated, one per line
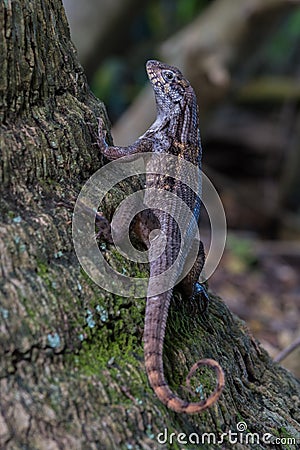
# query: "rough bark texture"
[72,371]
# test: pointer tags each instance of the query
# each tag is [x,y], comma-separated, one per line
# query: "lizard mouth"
[151,65]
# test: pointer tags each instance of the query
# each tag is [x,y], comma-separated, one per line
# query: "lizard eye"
[168,75]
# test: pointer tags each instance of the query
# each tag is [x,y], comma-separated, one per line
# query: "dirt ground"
[259,280]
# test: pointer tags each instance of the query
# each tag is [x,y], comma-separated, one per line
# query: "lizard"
[176,132]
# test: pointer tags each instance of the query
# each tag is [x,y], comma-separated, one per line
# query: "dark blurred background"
[243,60]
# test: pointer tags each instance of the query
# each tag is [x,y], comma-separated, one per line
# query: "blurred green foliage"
[276,52]
[281,47]
[166,16]
[121,76]
[242,248]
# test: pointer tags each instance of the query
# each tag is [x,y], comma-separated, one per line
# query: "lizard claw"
[101,138]
[103,226]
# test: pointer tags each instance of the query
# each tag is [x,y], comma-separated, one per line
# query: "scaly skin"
[175,132]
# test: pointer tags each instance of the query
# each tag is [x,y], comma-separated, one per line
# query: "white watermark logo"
[239,436]
[165,166]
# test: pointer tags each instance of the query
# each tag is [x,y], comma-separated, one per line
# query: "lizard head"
[169,85]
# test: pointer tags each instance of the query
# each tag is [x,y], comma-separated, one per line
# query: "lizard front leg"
[112,152]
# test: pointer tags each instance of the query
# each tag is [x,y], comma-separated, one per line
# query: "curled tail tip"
[172,401]
[209,363]
[197,407]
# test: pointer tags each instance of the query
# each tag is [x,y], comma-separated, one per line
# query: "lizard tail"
[153,350]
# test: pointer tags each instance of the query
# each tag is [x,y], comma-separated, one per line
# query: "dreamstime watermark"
[239,436]
[171,202]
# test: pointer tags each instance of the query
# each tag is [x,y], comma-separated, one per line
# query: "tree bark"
[72,371]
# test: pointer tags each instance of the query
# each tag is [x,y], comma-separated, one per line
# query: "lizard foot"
[201,295]
[102,224]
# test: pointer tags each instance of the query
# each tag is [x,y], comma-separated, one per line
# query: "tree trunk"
[72,370]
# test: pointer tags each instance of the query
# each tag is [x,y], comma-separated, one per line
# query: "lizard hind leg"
[190,286]
[145,222]
[201,296]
